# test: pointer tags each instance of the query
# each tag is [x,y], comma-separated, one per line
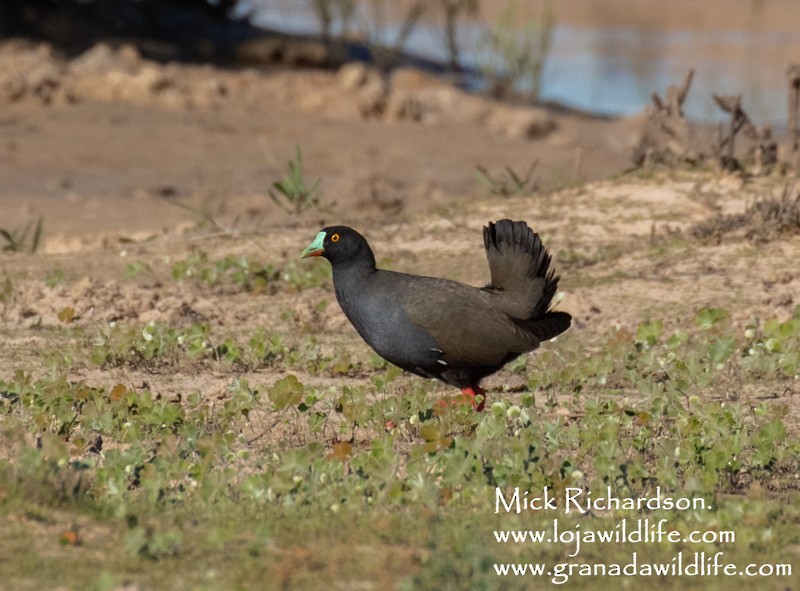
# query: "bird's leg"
[475,396]
[471,394]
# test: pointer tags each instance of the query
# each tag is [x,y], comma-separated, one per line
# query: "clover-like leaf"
[287,391]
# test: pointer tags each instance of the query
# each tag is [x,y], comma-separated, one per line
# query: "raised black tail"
[522,279]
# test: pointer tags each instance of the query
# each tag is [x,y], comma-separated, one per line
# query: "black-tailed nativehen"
[443,329]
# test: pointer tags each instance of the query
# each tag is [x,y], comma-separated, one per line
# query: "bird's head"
[339,244]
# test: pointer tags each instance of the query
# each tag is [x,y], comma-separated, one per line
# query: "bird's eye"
[335,238]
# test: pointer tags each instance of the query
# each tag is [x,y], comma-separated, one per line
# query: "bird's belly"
[386,329]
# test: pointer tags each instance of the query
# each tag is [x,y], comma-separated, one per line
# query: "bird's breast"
[379,318]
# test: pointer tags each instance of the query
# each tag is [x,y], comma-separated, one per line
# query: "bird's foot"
[476,396]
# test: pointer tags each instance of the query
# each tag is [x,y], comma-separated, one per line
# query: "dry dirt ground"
[103,146]
[622,248]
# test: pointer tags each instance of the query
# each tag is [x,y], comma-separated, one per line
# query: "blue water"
[614,71]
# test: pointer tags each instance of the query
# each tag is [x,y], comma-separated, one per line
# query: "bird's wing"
[463,322]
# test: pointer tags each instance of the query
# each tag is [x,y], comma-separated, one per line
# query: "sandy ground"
[101,167]
[114,161]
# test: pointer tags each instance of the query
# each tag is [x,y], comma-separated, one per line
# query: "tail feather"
[550,325]
[520,270]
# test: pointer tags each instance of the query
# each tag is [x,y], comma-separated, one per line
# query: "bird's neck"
[354,269]
[352,275]
[362,262]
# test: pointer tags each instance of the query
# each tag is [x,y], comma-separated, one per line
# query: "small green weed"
[136,268]
[54,278]
[510,184]
[301,276]
[293,195]
[6,293]
[25,239]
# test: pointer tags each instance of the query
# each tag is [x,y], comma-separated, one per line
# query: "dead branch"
[762,148]
[667,137]
[793,76]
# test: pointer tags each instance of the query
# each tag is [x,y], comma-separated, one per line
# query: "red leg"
[470,394]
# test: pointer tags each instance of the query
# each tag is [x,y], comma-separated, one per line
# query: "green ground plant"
[293,194]
[24,239]
[242,273]
[159,347]
[238,271]
[6,292]
[509,184]
[198,479]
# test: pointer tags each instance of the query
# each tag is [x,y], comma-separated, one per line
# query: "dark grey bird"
[443,329]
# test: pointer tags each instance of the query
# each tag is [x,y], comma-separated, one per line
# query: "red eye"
[335,238]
